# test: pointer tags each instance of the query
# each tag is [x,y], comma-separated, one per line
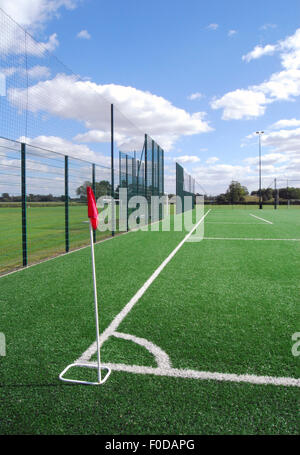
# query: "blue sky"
[200,77]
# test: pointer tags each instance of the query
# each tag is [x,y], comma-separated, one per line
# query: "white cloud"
[285,123]
[216,178]
[280,159]
[34,13]
[187,159]
[13,42]
[268,26]
[65,147]
[283,85]
[35,72]
[89,103]
[39,72]
[9,71]
[290,57]
[195,96]
[50,45]
[240,103]
[232,32]
[212,160]
[259,51]
[289,49]
[84,34]
[267,159]
[212,26]
[284,141]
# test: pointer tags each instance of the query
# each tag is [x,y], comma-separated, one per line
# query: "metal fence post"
[146,170]
[112,167]
[158,181]
[158,171]
[153,177]
[152,192]
[67,239]
[24,214]
[163,172]
[127,190]
[94,190]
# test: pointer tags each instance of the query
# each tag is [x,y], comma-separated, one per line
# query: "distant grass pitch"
[227,306]
[45,231]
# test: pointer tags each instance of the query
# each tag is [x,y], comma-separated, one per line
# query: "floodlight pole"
[259,142]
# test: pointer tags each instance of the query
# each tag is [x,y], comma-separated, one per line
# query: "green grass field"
[45,233]
[226,305]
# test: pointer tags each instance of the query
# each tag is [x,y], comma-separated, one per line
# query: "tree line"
[236,193]
[103,188]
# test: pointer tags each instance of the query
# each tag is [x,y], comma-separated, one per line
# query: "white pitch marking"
[161,357]
[221,222]
[262,219]
[205,375]
[123,313]
[245,238]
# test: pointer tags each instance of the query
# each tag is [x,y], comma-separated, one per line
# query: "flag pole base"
[84,365]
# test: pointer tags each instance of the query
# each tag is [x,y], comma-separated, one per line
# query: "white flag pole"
[89,364]
[96,303]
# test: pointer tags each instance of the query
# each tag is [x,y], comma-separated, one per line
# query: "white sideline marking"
[245,238]
[221,222]
[262,219]
[123,313]
[204,375]
[162,359]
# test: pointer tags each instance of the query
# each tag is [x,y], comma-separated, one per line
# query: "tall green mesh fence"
[185,186]
[59,132]
[143,176]
[43,202]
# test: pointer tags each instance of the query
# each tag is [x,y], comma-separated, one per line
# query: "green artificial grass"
[225,306]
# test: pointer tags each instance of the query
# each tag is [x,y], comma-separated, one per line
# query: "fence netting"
[43,203]
[59,133]
[142,174]
[185,190]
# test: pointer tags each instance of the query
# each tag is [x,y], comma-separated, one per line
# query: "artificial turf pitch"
[226,306]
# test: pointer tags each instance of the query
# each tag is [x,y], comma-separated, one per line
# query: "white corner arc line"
[262,219]
[205,375]
[161,357]
[128,307]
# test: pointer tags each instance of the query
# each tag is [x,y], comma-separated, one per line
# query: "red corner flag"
[92,208]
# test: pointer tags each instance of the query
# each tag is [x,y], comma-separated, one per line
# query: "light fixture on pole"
[259,141]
